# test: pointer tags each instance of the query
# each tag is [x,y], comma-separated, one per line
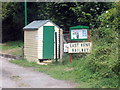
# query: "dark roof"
[36,24]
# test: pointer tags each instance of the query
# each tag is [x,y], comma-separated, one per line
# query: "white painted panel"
[49,24]
[56,30]
[40,43]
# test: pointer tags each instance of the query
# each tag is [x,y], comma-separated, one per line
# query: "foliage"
[78,13]
[64,14]
[104,59]
[12,21]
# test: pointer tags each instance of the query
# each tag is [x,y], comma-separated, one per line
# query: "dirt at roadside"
[15,51]
[10,51]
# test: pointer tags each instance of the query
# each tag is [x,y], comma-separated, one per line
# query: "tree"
[12,18]
[64,14]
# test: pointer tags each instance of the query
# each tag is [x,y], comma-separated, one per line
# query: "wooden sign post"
[79,33]
[71,57]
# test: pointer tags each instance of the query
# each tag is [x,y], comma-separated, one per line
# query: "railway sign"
[82,47]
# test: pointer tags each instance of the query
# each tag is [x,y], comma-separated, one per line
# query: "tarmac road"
[14,76]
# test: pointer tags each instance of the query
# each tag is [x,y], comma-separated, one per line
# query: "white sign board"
[79,34]
[66,47]
[83,47]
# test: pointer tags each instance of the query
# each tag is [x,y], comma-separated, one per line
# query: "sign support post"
[70,53]
[89,36]
[70,57]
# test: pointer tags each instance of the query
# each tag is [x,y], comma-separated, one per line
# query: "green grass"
[0,47]
[11,45]
[17,52]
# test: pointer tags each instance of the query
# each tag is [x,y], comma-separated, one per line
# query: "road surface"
[14,76]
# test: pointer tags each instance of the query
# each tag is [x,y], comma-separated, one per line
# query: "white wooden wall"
[31,45]
[40,43]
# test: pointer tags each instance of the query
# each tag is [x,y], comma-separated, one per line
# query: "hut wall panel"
[40,43]
[57,30]
[30,45]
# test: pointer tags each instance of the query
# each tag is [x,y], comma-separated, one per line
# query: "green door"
[48,42]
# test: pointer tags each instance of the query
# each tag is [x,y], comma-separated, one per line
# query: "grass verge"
[12,47]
